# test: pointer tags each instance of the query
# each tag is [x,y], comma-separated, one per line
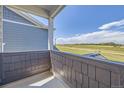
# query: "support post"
[50,34]
[1,29]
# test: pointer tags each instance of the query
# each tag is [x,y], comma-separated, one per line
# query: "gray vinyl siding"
[18,38]
[10,15]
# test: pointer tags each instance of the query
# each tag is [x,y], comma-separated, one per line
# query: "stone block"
[103,76]
[77,66]
[69,74]
[12,66]
[6,67]
[79,85]
[85,81]
[7,59]
[91,71]
[115,80]
[93,83]
[84,68]
[79,77]
[15,58]
[101,85]
[70,63]
[65,72]
[73,75]
[74,83]
[63,61]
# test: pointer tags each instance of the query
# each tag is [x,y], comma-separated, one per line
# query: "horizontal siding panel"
[10,15]
[19,38]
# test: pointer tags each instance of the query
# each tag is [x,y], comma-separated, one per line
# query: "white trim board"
[11,21]
[28,17]
[1,29]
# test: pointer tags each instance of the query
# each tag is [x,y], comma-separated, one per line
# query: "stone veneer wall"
[78,71]
[75,70]
[15,66]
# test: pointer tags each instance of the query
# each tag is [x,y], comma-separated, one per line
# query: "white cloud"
[94,37]
[112,24]
[107,34]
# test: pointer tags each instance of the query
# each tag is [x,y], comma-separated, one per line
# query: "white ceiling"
[45,11]
[49,7]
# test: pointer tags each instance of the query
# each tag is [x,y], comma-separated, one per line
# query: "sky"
[89,24]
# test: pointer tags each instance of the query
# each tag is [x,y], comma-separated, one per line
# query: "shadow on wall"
[55,48]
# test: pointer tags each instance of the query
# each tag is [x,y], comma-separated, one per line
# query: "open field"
[110,52]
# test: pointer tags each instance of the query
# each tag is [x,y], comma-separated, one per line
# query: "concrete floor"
[43,80]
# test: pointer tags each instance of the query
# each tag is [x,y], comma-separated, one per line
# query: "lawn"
[110,52]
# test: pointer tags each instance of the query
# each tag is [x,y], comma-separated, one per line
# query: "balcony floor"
[43,80]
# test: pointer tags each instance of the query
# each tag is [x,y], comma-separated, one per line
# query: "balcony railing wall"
[78,71]
[15,66]
[75,70]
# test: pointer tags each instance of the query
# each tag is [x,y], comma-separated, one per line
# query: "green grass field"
[110,52]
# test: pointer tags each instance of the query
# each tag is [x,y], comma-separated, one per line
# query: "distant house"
[19,31]
[97,56]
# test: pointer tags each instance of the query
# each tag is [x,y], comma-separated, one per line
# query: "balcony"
[58,69]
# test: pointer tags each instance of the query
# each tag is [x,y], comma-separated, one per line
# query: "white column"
[1,30]
[50,34]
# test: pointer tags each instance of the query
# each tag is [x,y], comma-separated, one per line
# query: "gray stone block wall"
[14,66]
[78,71]
[75,70]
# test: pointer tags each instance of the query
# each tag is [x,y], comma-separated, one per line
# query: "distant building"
[95,56]
[20,32]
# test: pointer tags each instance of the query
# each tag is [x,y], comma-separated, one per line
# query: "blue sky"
[74,23]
